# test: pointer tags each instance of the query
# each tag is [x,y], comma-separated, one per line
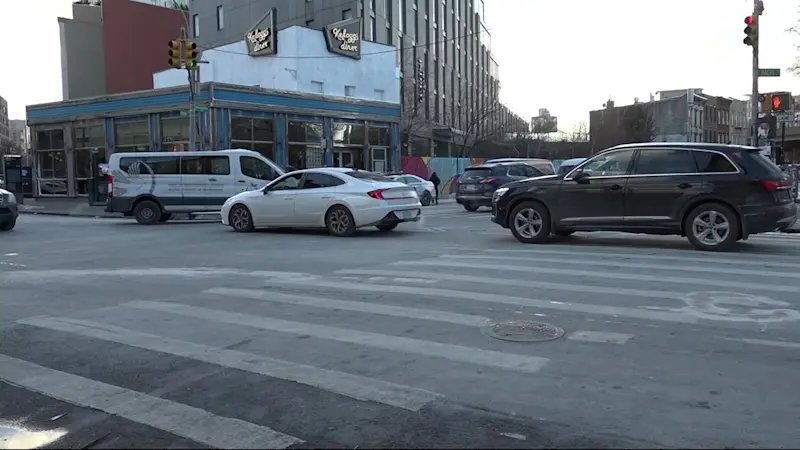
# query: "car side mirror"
[581,178]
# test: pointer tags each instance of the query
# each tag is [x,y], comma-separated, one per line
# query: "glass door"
[342,158]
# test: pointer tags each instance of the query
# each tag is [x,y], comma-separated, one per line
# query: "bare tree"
[479,123]
[579,133]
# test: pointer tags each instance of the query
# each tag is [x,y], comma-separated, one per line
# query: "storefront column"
[69,159]
[111,138]
[281,157]
[327,134]
[394,132]
[222,128]
[154,122]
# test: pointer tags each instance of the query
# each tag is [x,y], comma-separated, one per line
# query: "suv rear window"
[764,163]
[481,172]
[369,176]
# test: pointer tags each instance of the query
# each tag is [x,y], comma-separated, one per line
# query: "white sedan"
[338,199]
[425,189]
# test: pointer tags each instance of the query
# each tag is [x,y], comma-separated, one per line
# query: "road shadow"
[586,240]
[360,233]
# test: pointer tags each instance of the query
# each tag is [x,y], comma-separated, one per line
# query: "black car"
[713,194]
[477,184]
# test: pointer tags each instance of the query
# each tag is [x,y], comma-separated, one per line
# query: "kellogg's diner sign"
[344,38]
[262,39]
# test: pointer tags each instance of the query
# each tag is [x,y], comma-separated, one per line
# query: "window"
[298,131]
[205,165]
[664,161]
[403,24]
[610,164]
[516,171]
[144,165]
[345,134]
[349,91]
[287,182]
[174,129]
[320,180]
[132,135]
[379,136]
[195,25]
[372,29]
[253,134]
[220,18]
[347,14]
[256,168]
[710,162]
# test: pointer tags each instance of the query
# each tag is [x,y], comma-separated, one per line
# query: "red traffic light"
[776,102]
[748,20]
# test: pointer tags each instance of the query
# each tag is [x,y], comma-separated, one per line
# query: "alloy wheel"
[711,228]
[240,219]
[528,223]
[339,221]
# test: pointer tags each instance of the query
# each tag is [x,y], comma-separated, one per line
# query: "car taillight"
[110,186]
[774,185]
[489,181]
[388,194]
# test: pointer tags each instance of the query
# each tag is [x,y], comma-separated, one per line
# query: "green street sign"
[769,72]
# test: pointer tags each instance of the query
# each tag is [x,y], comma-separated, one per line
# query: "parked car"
[544,166]
[425,189]
[8,210]
[568,165]
[477,184]
[713,194]
[339,199]
[152,186]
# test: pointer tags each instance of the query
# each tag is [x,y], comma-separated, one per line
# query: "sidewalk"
[75,207]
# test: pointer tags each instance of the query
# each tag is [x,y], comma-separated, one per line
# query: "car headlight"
[499,193]
[11,199]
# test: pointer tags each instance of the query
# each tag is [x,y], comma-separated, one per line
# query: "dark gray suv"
[477,184]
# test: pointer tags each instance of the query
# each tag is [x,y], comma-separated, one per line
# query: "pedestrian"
[435,180]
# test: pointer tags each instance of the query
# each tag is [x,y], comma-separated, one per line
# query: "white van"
[151,186]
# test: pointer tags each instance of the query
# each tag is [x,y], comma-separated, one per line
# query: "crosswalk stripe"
[489,358]
[567,287]
[371,308]
[609,262]
[603,275]
[353,386]
[752,260]
[176,418]
[495,298]
[600,336]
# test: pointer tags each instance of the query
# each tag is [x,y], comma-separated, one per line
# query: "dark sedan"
[713,194]
[8,210]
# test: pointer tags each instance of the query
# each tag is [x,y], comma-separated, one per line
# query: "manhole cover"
[523,331]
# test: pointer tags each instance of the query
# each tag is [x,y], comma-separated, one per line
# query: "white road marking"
[506,256]
[522,363]
[792,345]
[371,308]
[353,386]
[600,336]
[517,436]
[634,265]
[188,272]
[4,263]
[11,254]
[176,418]
[501,299]
[605,274]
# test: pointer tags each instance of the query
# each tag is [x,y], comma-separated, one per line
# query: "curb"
[62,214]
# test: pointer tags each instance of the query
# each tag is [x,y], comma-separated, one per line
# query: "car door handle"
[326,196]
[212,179]
[684,186]
[289,198]
[615,187]
[241,181]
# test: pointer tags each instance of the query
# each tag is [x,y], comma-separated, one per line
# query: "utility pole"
[752,39]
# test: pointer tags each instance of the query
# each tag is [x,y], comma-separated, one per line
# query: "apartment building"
[5,132]
[449,79]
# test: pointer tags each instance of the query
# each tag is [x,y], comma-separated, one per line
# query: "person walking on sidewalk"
[435,180]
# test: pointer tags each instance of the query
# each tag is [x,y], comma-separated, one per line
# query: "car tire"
[165,217]
[387,227]
[340,222]
[530,223]
[471,207]
[426,199]
[725,229]
[8,226]
[147,212]
[563,233]
[241,219]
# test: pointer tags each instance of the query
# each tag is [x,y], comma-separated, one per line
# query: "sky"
[569,56]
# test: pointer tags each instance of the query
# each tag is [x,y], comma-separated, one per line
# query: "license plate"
[472,187]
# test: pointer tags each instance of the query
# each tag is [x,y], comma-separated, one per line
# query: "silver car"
[8,210]
[425,189]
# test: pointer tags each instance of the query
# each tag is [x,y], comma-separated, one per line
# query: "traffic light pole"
[192,112]
[758,7]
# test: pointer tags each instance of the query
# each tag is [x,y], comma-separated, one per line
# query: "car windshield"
[369,176]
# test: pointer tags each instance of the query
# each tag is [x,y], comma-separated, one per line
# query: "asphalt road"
[189,335]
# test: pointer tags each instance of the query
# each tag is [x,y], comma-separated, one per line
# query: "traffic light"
[191,55]
[175,54]
[781,102]
[751,30]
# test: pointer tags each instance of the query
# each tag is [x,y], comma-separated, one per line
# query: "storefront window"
[132,135]
[51,159]
[174,133]
[348,134]
[379,136]
[420,147]
[89,153]
[379,141]
[304,150]
[253,134]
[348,141]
